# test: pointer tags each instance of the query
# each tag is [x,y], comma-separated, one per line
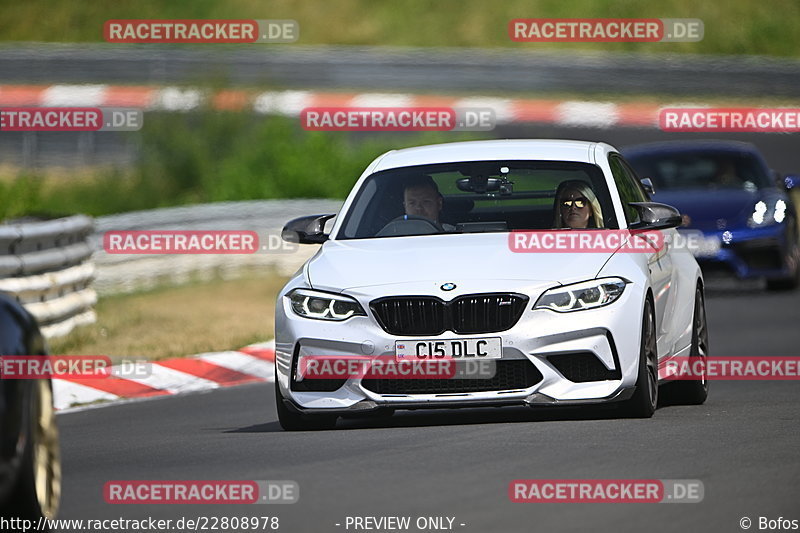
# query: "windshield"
[483,196]
[704,170]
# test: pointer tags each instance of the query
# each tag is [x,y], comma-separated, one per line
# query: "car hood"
[711,210]
[437,259]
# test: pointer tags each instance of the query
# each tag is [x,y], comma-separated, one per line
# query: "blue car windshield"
[473,197]
[700,170]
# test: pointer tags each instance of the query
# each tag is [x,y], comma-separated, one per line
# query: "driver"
[726,176]
[422,198]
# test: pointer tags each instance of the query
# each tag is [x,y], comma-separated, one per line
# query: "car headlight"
[764,216]
[580,296]
[323,305]
[780,211]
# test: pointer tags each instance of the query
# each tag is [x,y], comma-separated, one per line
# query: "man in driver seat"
[422,198]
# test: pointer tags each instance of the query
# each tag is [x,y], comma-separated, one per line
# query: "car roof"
[516,149]
[666,147]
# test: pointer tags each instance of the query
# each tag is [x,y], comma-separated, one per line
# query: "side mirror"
[653,215]
[306,230]
[791,181]
[647,183]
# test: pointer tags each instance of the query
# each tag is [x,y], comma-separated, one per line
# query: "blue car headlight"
[579,296]
[319,305]
[764,215]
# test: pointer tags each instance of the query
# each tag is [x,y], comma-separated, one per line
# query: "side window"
[630,190]
[635,177]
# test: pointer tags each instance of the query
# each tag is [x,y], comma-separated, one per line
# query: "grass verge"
[213,156]
[731,27]
[179,321]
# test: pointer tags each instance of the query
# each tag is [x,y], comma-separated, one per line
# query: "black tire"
[694,392]
[38,489]
[792,281]
[645,398]
[292,421]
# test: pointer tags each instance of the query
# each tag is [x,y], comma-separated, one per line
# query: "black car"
[30,466]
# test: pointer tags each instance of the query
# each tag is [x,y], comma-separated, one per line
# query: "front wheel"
[292,421]
[644,400]
[694,392]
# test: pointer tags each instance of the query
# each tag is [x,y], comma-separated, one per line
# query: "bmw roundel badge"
[448,286]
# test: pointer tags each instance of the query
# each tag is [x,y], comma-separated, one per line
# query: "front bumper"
[557,345]
[535,399]
[748,253]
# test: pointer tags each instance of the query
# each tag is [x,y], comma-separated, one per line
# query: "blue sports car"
[743,208]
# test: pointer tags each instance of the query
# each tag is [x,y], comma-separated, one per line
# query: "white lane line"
[176,99]
[382,100]
[503,107]
[591,114]
[74,95]
[289,103]
[243,363]
[172,381]
[67,393]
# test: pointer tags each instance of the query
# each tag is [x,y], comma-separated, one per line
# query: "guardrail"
[56,268]
[125,273]
[382,68]
[46,265]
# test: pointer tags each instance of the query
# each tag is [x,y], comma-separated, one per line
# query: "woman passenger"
[577,206]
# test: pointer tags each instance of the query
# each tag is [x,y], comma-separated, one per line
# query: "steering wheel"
[433,223]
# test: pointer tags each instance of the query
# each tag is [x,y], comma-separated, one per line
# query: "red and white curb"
[173,376]
[576,113]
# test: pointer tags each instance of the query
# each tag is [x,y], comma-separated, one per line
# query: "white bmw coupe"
[440,254]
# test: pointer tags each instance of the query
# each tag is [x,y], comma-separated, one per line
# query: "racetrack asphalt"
[742,444]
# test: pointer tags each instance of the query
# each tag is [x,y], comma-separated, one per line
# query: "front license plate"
[423,350]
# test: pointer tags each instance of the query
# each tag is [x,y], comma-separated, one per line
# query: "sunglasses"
[579,203]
